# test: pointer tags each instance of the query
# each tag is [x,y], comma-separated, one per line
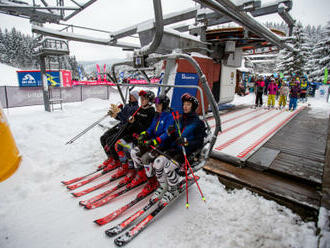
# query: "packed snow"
[8,75]
[37,211]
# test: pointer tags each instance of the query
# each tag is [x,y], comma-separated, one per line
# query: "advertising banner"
[33,78]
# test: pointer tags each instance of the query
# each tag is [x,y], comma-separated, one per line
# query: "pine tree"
[321,54]
[294,62]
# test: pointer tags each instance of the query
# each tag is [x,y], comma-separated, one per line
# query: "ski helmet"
[164,100]
[147,94]
[186,97]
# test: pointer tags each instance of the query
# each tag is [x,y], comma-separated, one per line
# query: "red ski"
[119,211]
[100,185]
[79,178]
[102,195]
[108,198]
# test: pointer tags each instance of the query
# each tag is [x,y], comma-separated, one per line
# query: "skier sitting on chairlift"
[156,135]
[140,122]
[109,138]
[192,138]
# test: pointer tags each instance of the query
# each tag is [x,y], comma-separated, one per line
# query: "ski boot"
[111,166]
[172,192]
[151,185]
[139,178]
[105,163]
[121,172]
[130,176]
[160,191]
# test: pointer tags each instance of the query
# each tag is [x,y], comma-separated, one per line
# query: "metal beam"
[215,18]
[80,9]
[167,19]
[226,7]
[81,38]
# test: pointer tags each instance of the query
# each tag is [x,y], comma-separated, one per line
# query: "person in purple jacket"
[272,89]
[294,94]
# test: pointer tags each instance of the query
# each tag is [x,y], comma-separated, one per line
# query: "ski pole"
[185,155]
[86,130]
[175,118]
[121,130]
[165,155]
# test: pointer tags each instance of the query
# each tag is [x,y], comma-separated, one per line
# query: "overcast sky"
[113,15]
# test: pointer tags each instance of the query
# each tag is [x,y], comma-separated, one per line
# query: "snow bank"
[8,75]
[37,211]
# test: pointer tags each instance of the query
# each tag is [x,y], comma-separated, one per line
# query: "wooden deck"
[288,168]
[301,145]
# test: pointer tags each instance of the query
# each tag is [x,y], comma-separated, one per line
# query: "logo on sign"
[187,77]
[28,79]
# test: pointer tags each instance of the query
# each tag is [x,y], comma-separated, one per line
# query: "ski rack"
[202,78]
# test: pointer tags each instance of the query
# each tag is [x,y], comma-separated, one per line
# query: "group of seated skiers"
[147,144]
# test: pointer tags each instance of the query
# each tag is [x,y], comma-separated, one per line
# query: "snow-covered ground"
[8,75]
[37,211]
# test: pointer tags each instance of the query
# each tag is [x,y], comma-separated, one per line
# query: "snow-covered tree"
[321,55]
[295,61]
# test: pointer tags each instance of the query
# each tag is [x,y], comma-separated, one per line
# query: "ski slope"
[37,211]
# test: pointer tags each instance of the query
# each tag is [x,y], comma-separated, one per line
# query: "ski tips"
[110,233]
[75,194]
[99,222]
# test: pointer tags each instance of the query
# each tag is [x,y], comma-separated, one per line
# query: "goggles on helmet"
[142,93]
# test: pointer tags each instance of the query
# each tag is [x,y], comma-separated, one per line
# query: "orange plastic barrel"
[9,154]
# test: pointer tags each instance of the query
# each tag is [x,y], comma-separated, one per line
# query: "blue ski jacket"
[193,129]
[159,126]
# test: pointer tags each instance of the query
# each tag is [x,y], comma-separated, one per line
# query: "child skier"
[294,94]
[259,91]
[284,90]
[140,122]
[109,138]
[157,136]
[192,138]
[272,89]
[304,88]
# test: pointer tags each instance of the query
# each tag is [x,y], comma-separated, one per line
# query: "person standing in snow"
[109,138]
[157,136]
[192,138]
[284,91]
[294,94]
[304,87]
[140,122]
[259,89]
[267,82]
[272,89]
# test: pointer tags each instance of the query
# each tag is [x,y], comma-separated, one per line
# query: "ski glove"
[182,141]
[152,142]
[143,136]
[171,130]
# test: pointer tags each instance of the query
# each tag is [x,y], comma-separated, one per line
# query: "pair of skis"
[143,221]
[103,198]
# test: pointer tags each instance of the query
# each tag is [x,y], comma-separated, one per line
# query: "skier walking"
[294,94]
[272,89]
[259,89]
[284,90]
[108,138]
[140,122]
[192,138]
[157,136]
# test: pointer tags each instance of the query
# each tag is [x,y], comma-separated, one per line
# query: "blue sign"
[183,79]
[33,78]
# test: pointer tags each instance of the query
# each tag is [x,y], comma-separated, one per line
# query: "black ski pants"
[258,98]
